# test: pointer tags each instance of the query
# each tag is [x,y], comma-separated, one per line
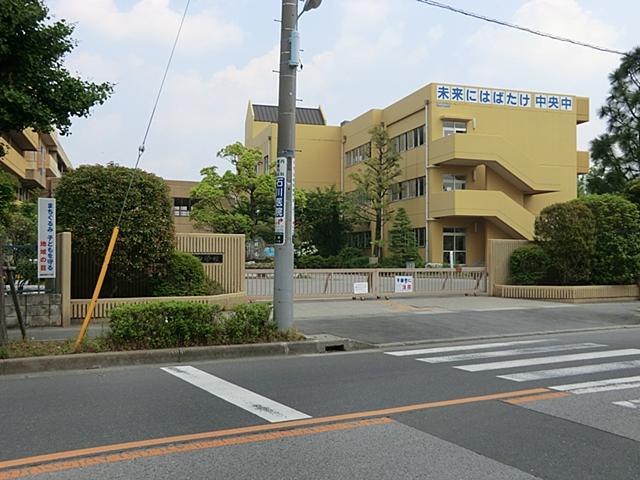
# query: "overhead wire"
[141,148]
[503,23]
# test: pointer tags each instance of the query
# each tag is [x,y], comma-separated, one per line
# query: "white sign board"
[360,288]
[281,188]
[404,284]
[504,98]
[46,238]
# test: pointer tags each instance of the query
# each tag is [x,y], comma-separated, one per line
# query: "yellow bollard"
[96,291]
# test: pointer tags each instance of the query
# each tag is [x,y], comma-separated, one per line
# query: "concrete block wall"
[38,310]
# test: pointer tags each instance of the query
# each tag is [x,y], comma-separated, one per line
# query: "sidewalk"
[413,319]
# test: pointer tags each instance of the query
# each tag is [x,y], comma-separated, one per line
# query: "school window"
[421,236]
[182,207]
[408,189]
[449,127]
[360,240]
[454,245]
[454,182]
[408,140]
[357,155]
[265,164]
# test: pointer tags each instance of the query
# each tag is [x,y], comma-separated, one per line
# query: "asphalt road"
[516,408]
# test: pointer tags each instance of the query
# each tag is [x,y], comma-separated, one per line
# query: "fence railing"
[319,283]
[105,305]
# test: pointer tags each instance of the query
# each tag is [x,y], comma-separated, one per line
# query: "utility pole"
[285,163]
[283,274]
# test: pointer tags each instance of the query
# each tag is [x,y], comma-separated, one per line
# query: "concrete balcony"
[26,140]
[495,206]
[582,163]
[51,164]
[497,154]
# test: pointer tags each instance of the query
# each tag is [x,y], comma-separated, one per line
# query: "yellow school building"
[477,163]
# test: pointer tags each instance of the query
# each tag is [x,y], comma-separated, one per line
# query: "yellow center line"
[260,428]
[188,447]
[535,398]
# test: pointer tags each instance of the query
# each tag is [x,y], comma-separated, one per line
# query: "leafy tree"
[616,153]
[22,225]
[403,239]
[235,202]
[89,201]
[324,222]
[632,191]
[616,258]
[35,89]
[566,232]
[240,201]
[371,199]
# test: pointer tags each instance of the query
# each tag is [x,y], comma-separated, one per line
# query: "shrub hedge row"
[183,324]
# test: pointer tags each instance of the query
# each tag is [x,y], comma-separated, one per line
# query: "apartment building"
[477,163]
[34,159]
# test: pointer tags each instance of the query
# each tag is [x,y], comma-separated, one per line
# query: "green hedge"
[185,276]
[529,265]
[183,324]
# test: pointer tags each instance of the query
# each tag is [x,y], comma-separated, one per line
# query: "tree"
[566,232]
[89,201]
[241,201]
[403,239]
[36,90]
[324,222]
[371,199]
[616,153]
[632,191]
[616,258]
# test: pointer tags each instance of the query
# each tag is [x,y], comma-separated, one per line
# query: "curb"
[84,361]
[496,337]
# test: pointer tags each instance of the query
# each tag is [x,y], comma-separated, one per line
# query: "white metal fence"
[321,283]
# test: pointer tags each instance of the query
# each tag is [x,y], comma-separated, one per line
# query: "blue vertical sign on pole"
[280,210]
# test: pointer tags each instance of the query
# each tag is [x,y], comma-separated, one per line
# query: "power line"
[153,113]
[519,27]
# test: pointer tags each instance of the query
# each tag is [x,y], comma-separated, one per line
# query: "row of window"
[360,240]
[454,243]
[408,140]
[408,189]
[357,155]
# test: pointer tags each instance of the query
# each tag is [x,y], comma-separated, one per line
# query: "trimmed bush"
[185,277]
[616,258]
[166,325]
[250,323]
[185,324]
[529,265]
[566,232]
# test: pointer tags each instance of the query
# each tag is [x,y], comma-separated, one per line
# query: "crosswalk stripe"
[599,385]
[629,403]
[246,399]
[571,371]
[477,367]
[482,346]
[509,353]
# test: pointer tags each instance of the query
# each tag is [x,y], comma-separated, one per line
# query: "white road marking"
[477,367]
[629,403]
[571,371]
[599,385]
[246,399]
[459,348]
[509,353]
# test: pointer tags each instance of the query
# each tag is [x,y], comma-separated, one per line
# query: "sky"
[358,55]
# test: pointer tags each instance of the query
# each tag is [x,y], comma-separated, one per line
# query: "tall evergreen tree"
[371,199]
[616,153]
[403,239]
